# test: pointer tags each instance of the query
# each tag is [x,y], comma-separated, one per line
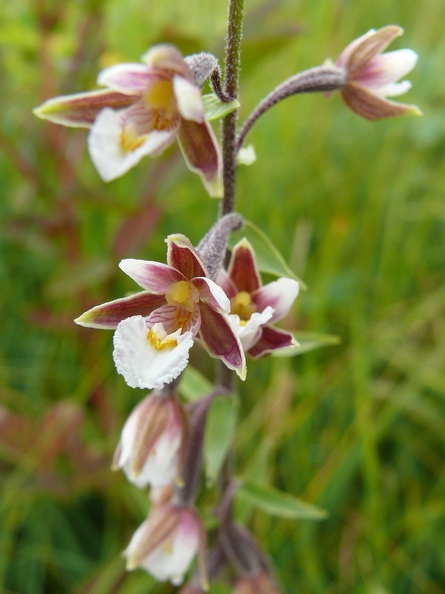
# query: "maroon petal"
[108,315]
[220,340]
[243,270]
[271,340]
[202,155]
[183,256]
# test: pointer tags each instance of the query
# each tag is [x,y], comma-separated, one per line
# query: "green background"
[358,211]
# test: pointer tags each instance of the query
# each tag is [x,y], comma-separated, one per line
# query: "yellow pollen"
[130,140]
[159,343]
[242,305]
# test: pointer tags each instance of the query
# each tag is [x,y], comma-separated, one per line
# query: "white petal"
[130,79]
[107,154]
[171,562]
[188,97]
[279,294]
[141,364]
[250,332]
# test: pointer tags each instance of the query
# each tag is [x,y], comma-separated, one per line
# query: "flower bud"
[165,544]
[152,443]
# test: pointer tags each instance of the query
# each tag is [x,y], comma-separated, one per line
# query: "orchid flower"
[373,76]
[165,544]
[155,328]
[145,107]
[254,307]
[151,448]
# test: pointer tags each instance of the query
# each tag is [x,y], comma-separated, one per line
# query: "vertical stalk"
[231,83]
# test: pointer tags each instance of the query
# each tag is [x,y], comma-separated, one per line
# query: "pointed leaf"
[215,109]
[220,428]
[267,255]
[307,341]
[193,384]
[278,503]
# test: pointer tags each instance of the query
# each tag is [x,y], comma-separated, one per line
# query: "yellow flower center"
[161,99]
[160,340]
[183,293]
[130,140]
[242,306]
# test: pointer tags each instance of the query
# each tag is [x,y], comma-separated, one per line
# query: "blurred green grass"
[358,210]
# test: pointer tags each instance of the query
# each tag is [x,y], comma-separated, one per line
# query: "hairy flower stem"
[318,79]
[231,83]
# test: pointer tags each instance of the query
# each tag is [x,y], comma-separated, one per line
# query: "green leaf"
[215,109]
[278,503]
[308,341]
[220,428]
[193,384]
[267,255]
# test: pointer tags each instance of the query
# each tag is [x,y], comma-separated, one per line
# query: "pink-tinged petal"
[80,110]
[152,276]
[382,72]
[202,154]
[225,282]
[220,337]
[271,340]
[212,294]
[164,57]
[371,106]
[279,294]
[183,256]
[343,59]
[370,46]
[130,79]
[149,357]
[250,331]
[108,315]
[115,148]
[174,317]
[243,270]
[188,98]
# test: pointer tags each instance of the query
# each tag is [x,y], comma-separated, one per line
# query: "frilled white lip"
[140,363]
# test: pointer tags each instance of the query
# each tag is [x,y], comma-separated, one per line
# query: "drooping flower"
[155,328]
[373,76]
[166,543]
[152,443]
[145,107]
[254,307]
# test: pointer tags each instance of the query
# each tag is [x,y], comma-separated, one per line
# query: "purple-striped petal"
[108,315]
[225,282]
[152,276]
[371,106]
[212,294]
[202,154]
[130,79]
[175,317]
[271,340]
[80,110]
[220,338]
[243,270]
[184,257]
[279,294]
[116,145]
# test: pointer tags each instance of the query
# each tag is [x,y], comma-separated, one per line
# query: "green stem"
[231,84]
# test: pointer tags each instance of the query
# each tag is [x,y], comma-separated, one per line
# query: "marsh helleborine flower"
[255,307]
[165,544]
[373,76]
[144,109]
[155,328]
[153,441]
